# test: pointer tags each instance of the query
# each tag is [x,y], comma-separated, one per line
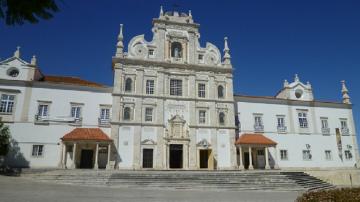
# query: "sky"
[270,40]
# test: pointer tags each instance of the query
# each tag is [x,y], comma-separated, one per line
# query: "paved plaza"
[17,189]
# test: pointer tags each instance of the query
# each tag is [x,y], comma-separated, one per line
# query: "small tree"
[17,12]
[4,141]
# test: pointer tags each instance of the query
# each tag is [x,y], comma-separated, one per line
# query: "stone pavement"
[18,189]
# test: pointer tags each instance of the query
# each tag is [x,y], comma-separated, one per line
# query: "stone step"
[214,180]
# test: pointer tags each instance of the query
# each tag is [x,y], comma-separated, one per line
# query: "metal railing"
[325,131]
[258,128]
[282,129]
[103,122]
[345,131]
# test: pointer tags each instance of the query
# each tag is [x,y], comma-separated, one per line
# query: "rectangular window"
[150,87]
[202,116]
[151,52]
[280,122]
[37,150]
[76,112]
[104,113]
[7,103]
[201,90]
[324,123]
[283,154]
[343,124]
[43,110]
[303,122]
[258,121]
[148,114]
[307,155]
[348,155]
[176,87]
[328,155]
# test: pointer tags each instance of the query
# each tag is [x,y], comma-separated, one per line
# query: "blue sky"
[270,40]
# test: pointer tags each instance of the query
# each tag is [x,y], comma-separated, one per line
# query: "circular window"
[298,93]
[13,72]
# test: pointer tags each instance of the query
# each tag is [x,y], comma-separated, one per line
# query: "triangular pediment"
[177,119]
[13,60]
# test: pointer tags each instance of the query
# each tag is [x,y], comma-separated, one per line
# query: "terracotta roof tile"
[71,80]
[95,134]
[255,139]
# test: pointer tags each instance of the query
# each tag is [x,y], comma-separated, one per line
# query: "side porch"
[253,152]
[86,148]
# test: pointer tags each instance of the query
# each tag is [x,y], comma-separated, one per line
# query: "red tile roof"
[71,80]
[95,134]
[255,139]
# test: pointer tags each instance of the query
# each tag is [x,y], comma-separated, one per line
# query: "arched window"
[127,113]
[221,118]
[128,85]
[220,91]
[176,50]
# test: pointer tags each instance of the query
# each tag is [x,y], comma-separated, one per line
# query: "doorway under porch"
[86,148]
[253,152]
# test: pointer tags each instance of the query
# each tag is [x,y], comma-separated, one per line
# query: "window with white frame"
[127,114]
[303,122]
[307,155]
[281,122]
[283,154]
[328,155]
[148,114]
[128,85]
[220,91]
[202,116]
[324,123]
[343,123]
[222,118]
[7,103]
[75,111]
[258,120]
[150,86]
[151,53]
[201,90]
[348,155]
[43,110]
[176,87]
[104,113]
[37,150]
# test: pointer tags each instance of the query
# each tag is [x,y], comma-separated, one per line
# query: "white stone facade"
[172,106]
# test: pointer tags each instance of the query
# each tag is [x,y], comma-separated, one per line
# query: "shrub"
[333,195]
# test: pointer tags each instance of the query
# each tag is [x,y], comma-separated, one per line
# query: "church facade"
[171,106]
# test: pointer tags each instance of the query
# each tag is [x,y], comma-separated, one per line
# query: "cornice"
[173,98]
[289,102]
[168,65]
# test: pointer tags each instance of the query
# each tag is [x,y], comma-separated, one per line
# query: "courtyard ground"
[18,189]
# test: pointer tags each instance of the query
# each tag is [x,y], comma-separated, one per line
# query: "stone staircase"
[195,180]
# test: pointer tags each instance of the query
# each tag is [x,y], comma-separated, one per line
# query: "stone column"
[241,165]
[267,166]
[108,157]
[63,160]
[186,156]
[251,167]
[276,166]
[96,166]
[74,156]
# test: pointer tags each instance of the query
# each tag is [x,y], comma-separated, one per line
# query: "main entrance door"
[176,156]
[246,160]
[148,158]
[204,158]
[86,160]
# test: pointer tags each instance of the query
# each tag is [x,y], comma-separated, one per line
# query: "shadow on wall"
[14,160]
